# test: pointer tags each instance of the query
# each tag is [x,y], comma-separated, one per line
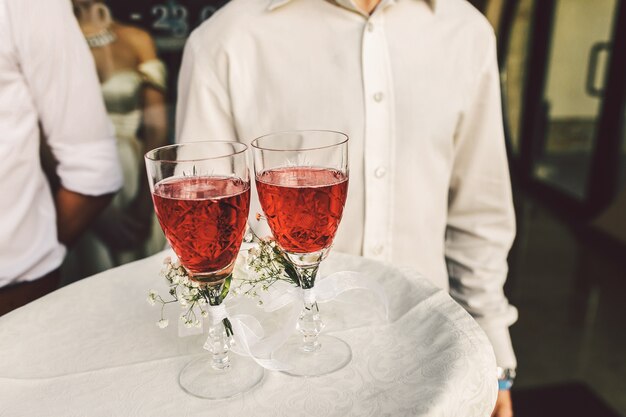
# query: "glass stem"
[309,324]
[218,342]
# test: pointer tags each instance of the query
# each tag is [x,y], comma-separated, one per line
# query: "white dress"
[122,95]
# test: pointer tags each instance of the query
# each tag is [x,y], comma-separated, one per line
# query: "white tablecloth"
[93,349]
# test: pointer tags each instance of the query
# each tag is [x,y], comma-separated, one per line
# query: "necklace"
[100,39]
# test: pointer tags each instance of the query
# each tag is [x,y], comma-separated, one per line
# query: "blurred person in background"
[414,84]
[49,88]
[133,82]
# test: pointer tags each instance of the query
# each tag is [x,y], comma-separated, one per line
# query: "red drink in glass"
[201,195]
[303,205]
[204,219]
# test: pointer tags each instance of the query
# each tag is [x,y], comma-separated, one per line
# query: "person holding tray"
[415,85]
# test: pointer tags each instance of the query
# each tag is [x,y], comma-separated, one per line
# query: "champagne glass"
[302,183]
[201,195]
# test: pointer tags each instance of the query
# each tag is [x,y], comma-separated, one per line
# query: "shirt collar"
[274,4]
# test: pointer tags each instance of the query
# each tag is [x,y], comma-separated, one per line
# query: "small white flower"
[194,291]
[260,303]
[202,301]
[188,324]
[204,314]
[195,284]
[175,280]
[152,295]
[163,323]
[197,324]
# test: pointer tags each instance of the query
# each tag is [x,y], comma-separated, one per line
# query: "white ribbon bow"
[325,290]
[248,336]
[248,333]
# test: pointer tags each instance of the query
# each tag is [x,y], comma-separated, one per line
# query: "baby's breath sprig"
[188,293]
[265,265]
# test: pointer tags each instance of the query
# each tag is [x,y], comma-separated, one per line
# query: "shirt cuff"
[502,347]
[90,168]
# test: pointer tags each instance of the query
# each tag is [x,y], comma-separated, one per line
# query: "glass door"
[609,180]
[577,63]
[514,67]
[622,171]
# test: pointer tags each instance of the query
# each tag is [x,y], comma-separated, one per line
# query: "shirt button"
[370,27]
[378,97]
[380,172]
[377,250]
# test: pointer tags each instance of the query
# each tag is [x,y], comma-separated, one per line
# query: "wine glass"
[302,183]
[201,195]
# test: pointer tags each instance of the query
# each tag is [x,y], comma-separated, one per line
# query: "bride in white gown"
[133,86]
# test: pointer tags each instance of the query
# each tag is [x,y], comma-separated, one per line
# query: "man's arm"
[61,76]
[481,219]
[75,212]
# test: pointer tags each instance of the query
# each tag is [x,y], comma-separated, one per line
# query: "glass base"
[332,355]
[201,380]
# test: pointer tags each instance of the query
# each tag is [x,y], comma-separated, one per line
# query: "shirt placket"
[379,139]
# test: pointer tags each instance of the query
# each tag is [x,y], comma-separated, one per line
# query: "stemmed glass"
[201,195]
[302,183]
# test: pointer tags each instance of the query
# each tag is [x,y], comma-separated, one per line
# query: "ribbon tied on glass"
[248,335]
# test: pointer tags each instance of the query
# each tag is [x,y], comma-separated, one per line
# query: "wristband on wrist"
[506,376]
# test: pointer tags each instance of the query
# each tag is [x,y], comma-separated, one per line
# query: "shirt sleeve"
[60,73]
[203,107]
[481,218]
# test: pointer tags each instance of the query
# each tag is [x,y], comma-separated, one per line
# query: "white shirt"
[415,86]
[47,78]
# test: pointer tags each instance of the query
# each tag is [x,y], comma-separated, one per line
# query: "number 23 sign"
[166,18]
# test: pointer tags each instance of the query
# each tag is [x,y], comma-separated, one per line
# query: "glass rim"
[150,154]
[255,145]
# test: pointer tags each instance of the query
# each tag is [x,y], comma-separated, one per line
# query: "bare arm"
[154,114]
[75,212]
[154,135]
[154,118]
